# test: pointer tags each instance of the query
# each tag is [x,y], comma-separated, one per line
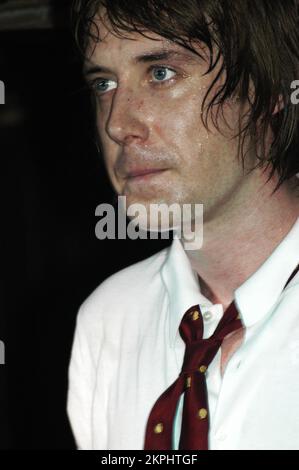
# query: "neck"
[242,234]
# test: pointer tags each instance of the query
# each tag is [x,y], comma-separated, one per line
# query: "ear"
[279,105]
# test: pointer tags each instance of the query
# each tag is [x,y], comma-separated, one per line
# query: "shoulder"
[123,289]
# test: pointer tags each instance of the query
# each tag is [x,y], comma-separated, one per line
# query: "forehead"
[115,46]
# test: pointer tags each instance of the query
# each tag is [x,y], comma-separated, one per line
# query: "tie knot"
[201,351]
[199,354]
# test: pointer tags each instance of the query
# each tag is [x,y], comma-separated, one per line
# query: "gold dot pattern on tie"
[199,353]
[158,428]
[191,382]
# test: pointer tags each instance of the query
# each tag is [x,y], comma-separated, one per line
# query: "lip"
[143,173]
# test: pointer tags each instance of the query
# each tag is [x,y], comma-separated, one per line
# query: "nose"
[127,120]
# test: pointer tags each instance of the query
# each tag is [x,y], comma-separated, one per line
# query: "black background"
[52,179]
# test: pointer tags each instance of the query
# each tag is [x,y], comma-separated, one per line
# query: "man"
[192,105]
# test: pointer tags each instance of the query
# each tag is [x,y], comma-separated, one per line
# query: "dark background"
[53,179]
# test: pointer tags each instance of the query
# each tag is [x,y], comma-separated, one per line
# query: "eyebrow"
[147,57]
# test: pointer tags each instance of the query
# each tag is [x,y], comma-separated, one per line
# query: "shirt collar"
[182,286]
[259,293]
[254,298]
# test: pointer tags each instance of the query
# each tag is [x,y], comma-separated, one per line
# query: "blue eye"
[162,73]
[103,85]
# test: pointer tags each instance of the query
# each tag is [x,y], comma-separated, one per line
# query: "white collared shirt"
[127,350]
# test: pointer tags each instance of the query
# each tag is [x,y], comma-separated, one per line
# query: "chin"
[155,215]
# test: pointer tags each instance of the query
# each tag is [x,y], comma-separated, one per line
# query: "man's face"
[149,93]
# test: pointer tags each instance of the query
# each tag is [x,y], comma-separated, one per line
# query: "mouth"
[144,174]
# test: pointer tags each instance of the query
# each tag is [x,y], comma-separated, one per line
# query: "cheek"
[108,154]
[177,118]
[140,105]
[107,143]
[158,130]
[183,132]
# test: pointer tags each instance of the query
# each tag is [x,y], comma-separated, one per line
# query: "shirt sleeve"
[81,382]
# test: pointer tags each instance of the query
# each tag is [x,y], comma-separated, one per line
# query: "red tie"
[199,353]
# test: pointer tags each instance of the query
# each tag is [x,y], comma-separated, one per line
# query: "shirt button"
[207,315]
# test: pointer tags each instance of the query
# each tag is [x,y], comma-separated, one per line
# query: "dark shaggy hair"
[258,42]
